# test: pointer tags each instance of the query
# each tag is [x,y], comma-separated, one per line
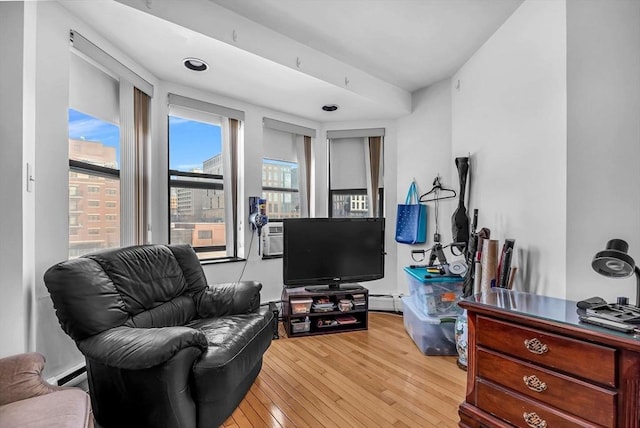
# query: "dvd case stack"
[359,301]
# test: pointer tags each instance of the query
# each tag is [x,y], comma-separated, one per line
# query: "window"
[356,186]
[203,177]
[93,161]
[351,202]
[101,92]
[281,190]
[286,169]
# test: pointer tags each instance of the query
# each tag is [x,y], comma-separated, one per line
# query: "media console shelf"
[309,312]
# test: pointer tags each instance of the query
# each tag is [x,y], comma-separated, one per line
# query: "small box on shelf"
[300,326]
[301,306]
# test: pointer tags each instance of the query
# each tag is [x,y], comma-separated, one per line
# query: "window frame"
[359,191]
[192,184]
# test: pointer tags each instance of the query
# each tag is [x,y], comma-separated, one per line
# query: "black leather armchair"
[162,348]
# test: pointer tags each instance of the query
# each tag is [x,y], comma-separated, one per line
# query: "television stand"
[308,311]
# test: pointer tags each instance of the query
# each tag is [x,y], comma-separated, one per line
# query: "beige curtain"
[234,127]
[141,102]
[375,151]
[307,163]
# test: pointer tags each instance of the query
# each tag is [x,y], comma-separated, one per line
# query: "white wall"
[603,192]
[14,312]
[509,112]
[38,237]
[424,152]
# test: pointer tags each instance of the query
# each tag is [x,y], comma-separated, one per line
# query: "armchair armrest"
[140,348]
[229,299]
[21,378]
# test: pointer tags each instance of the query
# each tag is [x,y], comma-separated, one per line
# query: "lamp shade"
[614,261]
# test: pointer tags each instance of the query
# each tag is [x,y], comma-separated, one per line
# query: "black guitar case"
[460,218]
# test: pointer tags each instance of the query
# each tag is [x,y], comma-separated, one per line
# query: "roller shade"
[355,133]
[87,84]
[288,127]
[93,52]
[348,166]
[279,145]
[203,106]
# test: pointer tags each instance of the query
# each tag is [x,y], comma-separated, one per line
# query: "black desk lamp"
[614,262]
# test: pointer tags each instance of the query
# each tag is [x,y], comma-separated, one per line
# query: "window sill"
[221,260]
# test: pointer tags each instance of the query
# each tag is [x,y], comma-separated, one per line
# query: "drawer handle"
[535,346]
[534,384]
[534,421]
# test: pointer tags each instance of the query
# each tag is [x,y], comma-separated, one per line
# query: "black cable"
[247,259]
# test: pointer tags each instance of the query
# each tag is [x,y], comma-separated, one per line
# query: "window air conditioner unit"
[272,239]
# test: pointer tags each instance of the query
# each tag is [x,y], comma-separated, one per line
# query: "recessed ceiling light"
[195,64]
[330,107]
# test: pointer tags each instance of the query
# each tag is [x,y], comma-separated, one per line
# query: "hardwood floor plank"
[270,404]
[371,378]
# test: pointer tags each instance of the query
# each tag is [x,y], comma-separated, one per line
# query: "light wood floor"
[372,378]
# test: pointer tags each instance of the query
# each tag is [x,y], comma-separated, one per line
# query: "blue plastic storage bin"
[436,296]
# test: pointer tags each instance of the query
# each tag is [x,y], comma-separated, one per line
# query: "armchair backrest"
[138,286]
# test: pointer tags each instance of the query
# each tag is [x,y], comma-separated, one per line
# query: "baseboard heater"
[71,377]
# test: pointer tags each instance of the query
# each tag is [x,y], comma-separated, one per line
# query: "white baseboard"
[389,303]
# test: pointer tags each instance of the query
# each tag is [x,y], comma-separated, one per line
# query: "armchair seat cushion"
[236,346]
[65,408]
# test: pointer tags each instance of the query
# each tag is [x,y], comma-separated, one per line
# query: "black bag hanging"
[460,218]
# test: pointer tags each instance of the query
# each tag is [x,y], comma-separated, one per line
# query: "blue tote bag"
[411,221]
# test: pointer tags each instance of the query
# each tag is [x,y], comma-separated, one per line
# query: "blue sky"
[85,127]
[191,142]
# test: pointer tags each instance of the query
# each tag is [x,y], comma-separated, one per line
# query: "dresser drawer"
[560,391]
[517,409]
[586,360]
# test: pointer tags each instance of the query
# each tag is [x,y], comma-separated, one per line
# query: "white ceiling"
[294,56]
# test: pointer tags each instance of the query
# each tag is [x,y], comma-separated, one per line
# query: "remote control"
[613,325]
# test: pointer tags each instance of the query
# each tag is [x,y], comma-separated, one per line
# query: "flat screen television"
[332,253]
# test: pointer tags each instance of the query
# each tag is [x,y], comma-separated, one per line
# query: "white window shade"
[85,47]
[196,115]
[203,106]
[348,166]
[279,145]
[288,127]
[87,84]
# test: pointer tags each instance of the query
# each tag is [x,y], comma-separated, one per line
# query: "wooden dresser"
[533,363]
